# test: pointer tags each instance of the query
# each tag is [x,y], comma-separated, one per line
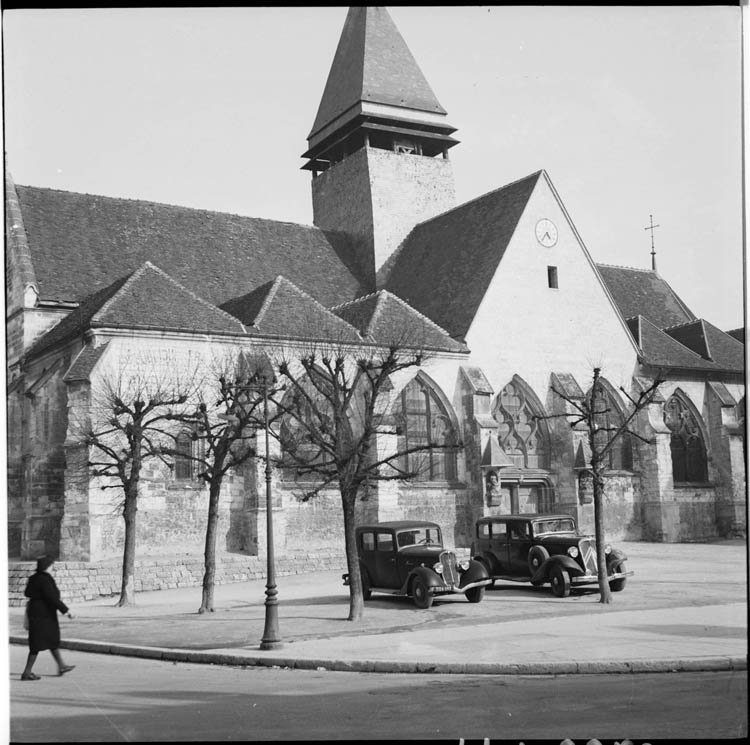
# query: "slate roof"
[738,334]
[84,363]
[81,243]
[386,319]
[661,350]
[147,299]
[445,265]
[280,308]
[710,343]
[642,292]
[373,63]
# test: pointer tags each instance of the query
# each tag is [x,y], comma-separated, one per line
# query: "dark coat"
[44,602]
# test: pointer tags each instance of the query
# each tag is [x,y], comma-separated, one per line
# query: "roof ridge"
[356,300]
[167,204]
[630,268]
[272,290]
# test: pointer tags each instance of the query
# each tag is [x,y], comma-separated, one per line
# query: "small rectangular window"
[552,277]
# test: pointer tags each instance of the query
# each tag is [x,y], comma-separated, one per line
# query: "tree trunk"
[127,590]
[356,600]
[605,595]
[209,555]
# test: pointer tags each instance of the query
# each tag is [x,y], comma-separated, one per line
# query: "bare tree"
[592,411]
[335,403]
[224,422]
[127,425]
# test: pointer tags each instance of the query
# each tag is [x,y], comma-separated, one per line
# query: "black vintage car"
[543,548]
[407,557]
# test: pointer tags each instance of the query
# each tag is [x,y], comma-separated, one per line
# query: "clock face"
[546,232]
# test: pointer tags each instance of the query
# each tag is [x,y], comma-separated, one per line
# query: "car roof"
[398,525]
[525,516]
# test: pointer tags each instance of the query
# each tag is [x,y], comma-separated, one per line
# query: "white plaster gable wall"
[523,327]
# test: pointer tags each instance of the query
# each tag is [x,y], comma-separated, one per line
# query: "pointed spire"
[375,81]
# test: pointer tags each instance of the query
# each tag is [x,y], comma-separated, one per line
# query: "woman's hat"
[43,563]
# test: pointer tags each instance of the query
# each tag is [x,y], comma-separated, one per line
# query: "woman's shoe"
[65,669]
[29,676]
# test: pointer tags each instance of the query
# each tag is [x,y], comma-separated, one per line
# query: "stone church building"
[506,299]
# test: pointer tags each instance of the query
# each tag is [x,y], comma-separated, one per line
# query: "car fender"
[429,576]
[615,558]
[561,560]
[487,560]
[475,573]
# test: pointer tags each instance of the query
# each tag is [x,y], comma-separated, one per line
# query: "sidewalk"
[666,619]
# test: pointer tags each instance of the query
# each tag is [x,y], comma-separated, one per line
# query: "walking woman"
[44,629]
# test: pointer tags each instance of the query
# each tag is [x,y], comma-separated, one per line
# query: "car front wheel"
[420,593]
[475,595]
[560,581]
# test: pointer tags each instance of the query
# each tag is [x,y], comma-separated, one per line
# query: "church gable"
[281,309]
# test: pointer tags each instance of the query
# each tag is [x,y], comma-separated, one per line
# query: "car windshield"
[558,525]
[419,535]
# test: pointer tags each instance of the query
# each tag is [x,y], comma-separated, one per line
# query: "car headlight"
[464,565]
[438,568]
[608,549]
[573,551]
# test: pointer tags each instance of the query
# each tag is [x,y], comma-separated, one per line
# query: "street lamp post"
[271,638]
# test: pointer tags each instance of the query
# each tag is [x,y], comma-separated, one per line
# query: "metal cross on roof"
[651,227]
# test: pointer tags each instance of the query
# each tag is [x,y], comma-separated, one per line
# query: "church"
[505,297]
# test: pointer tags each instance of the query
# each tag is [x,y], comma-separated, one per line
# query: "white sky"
[631,110]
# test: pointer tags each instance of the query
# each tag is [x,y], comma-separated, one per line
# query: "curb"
[701,664]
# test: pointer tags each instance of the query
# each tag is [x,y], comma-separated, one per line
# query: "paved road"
[123,699]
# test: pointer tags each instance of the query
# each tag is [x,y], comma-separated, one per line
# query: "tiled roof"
[445,264]
[661,350]
[642,292]
[738,334]
[566,384]
[84,363]
[386,319]
[373,63]
[81,243]
[147,298]
[710,343]
[280,308]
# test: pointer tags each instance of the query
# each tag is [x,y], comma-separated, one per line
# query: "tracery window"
[609,418]
[523,438]
[423,420]
[689,463]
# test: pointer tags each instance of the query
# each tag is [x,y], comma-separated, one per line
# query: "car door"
[384,555]
[519,543]
[498,545]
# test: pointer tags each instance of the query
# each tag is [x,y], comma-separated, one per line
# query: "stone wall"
[80,581]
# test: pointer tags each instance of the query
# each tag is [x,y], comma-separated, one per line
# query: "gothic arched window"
[523,437]
[689,463]
[423,420]
[609,418]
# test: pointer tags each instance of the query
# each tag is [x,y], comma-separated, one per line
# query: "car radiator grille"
[588,555]
[450,570]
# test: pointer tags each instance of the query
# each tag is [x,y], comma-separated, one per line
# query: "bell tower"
[378,149]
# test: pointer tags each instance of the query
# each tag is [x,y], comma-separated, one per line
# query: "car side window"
[385,542]
[519,531]
[499,531]
[368,541]
[483,530]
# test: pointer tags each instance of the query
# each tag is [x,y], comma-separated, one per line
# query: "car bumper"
[593,579]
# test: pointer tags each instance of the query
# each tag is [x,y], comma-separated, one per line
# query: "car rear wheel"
[366,586]
[560,581]
[420,593]
[475,595]
[618,585]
